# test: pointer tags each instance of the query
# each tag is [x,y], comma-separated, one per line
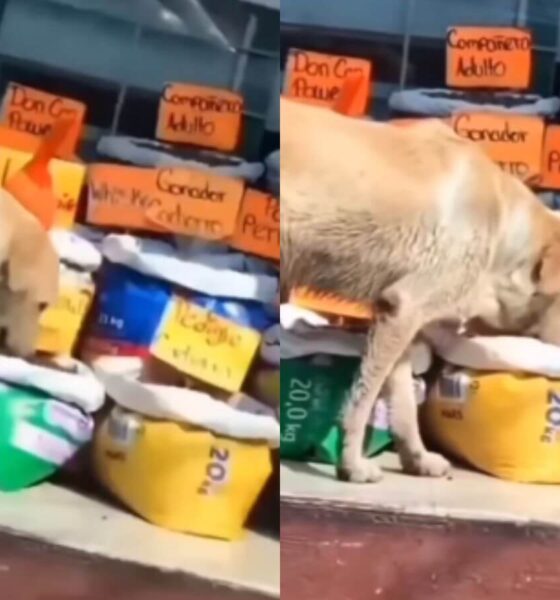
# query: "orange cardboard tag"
[32,186]
[164,200]
[551,159]
[330,304]
[33,111]
[489,57]
[258,225]
[202,116]
[513,141]
[349,92]
[317,78]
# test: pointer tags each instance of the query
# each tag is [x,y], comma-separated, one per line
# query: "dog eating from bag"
[421,224]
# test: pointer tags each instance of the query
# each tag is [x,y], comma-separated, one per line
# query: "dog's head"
[30,273]
[526,301]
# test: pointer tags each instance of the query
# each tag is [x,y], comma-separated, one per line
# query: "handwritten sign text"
[33,111]
[489,57]
[551,159]
[317,78]
[181,201]
[202,116]
[208,347]
[513,141]
[258,225]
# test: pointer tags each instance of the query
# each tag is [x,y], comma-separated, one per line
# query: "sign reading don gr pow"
[317,78]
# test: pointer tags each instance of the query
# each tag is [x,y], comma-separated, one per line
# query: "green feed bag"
[313,393]
[38,435]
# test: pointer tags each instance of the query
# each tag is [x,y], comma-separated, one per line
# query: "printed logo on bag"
[258,225]
[123,428]
[455,387]
[551,432]
[170,200]
[317,78]
[208,347]
[202,116]
[489,57]
[301,395]
[217,472]
[551,158]
[515,142]
[34,111]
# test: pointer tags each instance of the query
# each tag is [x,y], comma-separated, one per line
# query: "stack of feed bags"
[178,271]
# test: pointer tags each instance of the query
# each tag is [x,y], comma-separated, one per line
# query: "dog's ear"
[547,270]
[33,264]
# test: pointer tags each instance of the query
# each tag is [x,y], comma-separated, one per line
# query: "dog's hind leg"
[400,320]
[403,411]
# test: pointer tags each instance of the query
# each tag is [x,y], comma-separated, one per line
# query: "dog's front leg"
[403,411]
[387,341]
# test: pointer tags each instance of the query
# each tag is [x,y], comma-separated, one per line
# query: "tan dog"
[29,283]
[422,223]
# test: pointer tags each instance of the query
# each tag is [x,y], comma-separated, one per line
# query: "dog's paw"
[365,471]
[426,464]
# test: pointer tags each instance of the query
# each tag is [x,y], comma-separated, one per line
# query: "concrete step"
[406,538]
[57,544]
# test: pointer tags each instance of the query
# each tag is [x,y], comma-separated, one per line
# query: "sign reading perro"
[551,159]
[317,78]
[489,57]
[513,141]
[171,200]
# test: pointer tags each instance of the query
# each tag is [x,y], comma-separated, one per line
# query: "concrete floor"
[75,522]
[468,495]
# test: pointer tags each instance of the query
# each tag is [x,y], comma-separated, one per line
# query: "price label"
[258,225]
[173,200]
[551,159]
[202,116]
[489,57]
[34,111]
[208,347]
[514,141]
[317,78]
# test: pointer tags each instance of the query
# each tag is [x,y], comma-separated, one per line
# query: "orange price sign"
[489,57]
[33,111]
[551,159]
[173,200]
[202,116]
[513,141]
[329,304]
[317,78]
[258,225]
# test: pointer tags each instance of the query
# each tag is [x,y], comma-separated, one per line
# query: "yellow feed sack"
[181,478]
[505,424]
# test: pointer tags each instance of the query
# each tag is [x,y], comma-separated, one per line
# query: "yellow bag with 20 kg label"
[506,424]
[179,477]
[181,459]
